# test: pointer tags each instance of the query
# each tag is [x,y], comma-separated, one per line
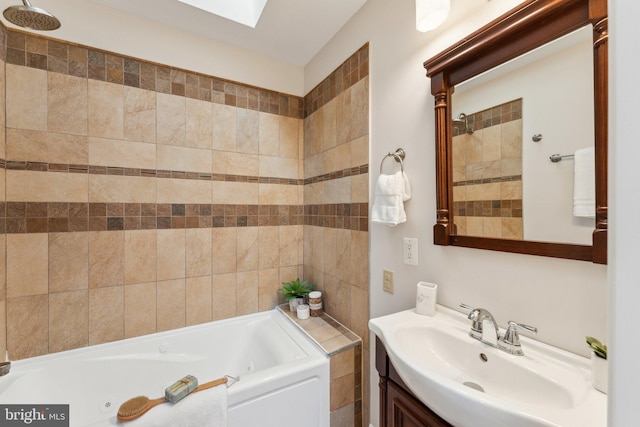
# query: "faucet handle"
[510,342]
[516,325]
[466,307]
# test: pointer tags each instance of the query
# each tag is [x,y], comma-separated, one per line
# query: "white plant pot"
[294,303]
[599,373]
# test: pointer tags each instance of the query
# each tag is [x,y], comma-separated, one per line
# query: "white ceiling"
[292,31]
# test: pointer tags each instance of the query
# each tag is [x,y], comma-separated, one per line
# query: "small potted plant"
[295,292]
[599,378]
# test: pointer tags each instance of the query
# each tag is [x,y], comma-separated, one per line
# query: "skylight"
[245,12]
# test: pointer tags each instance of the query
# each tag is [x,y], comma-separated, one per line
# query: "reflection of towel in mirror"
[584,183]
[207,408]
[391,193]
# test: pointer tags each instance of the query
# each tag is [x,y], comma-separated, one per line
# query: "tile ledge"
[305,327]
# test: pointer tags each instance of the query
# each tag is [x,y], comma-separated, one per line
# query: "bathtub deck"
[327,333]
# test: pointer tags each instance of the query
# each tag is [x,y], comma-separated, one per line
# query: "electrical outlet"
[410,250]
[387,281]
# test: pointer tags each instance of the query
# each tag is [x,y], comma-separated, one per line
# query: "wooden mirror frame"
[526,27]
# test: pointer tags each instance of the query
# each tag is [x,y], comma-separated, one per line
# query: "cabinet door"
[403,410]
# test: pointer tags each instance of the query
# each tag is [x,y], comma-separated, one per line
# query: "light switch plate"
[387,281]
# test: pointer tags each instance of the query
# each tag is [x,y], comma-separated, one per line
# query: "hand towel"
[584,183]
[207,408]
[388,203]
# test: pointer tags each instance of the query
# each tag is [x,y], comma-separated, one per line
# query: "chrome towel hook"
[398,155]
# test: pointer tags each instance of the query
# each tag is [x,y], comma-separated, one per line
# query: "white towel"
[388,203]
[207,408]
[584,183]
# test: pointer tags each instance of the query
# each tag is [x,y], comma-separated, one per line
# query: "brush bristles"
[132,407]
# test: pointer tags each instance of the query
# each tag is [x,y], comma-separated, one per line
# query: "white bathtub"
[284,378]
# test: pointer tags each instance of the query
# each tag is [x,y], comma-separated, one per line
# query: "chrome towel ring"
[399,155]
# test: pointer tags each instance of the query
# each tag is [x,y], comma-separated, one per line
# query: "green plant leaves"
[598,348]
[295,288]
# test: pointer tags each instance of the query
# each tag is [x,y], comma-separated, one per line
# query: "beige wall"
[530,288]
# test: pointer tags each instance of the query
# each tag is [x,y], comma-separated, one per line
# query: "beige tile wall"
[74,132]
[3,239]
[75,288]
[487,174]
[336,258]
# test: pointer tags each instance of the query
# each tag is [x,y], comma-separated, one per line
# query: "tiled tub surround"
[487,173]
[336,134]
[3,261]
[121,177]
[66,58]
[131,211]
[345,350]
[141,198]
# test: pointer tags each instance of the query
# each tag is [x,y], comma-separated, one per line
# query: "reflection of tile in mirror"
[474,147]
[492,227]
[488,173]
[511,140]
[512,228]
[459,152]
[491,143]
[474,226]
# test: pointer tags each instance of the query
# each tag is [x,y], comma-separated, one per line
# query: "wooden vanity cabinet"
[398,406]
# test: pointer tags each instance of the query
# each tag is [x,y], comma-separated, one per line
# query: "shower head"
[462,123]
[28,16]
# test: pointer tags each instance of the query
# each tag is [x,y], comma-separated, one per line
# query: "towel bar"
[399,155]
[555,158]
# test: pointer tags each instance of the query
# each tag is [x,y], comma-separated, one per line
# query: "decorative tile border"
[488,180]
[499,114]
[354,171]
[54,217]
[489,208]
[159,173]
[350,72]
[43,217]
[36,51]
[350,216]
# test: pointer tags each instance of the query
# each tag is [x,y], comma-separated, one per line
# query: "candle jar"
[315,303]
[302,311]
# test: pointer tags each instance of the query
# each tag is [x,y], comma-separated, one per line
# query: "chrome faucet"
[509,342]
[477,317]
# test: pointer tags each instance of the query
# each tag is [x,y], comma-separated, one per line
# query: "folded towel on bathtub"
[207,408]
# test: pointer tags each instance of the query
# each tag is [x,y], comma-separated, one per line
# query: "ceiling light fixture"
[431,13]
[245,12]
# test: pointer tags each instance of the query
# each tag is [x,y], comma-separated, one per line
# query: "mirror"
[529,85]
[504,183]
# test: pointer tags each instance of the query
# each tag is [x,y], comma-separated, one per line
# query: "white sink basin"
[469,383]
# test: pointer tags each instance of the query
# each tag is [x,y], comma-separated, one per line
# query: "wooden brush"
[137,406]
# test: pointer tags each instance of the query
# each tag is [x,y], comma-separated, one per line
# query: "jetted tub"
[284,378]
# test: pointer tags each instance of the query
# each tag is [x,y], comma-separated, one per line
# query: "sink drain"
[473,386]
